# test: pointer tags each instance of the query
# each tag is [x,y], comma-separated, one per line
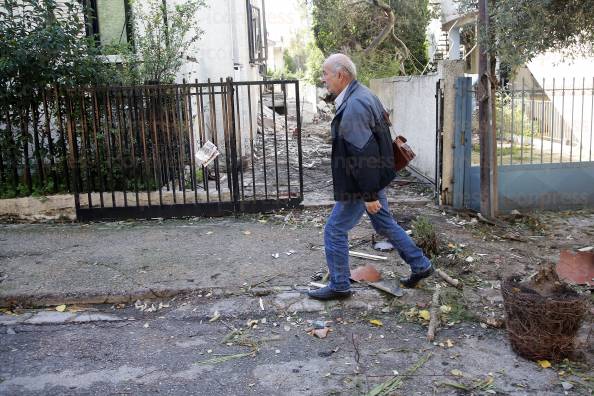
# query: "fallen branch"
[434,314]
[452,281]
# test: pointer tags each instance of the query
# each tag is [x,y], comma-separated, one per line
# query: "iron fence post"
[233,145]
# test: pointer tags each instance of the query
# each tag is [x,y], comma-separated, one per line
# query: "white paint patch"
[191,343]
[71,379]
[193,372]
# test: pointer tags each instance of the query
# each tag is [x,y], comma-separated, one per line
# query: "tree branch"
[407,53]
[387,29]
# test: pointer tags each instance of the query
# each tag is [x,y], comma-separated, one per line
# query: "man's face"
[334,81]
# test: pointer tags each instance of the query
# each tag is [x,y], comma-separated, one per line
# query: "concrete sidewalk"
[125,260]
[45,264]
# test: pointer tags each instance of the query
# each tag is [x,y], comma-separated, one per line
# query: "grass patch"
[455,299]
[425,236]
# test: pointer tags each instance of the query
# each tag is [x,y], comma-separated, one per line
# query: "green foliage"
[341,26]
[412,19]
[313,65]
[375,66]
[515,121]
[302,60]
[290,63]
[42,44]
[522,29]
[160,49]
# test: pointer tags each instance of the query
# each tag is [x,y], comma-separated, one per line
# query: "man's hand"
[373,207]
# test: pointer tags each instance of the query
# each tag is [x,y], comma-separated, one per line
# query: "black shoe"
[325,293]
[414,278]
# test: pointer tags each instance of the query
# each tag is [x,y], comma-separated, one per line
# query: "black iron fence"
[33,146]
[130,151]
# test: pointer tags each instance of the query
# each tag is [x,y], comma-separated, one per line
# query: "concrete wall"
[411,104]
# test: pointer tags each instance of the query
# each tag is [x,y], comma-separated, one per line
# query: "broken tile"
[366,273]
[576,267]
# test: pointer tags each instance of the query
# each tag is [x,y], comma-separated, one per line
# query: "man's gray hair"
[342,62]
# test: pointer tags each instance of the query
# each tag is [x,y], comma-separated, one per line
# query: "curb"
[126,297]
[52,299]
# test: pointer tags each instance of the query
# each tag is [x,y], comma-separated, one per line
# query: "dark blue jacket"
[362,156]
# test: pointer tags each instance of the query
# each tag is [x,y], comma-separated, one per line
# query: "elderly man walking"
[362,166]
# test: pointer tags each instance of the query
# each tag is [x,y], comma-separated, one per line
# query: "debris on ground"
[319,328]
[319,324]
[148,306]
[376,322]
[383,246]
[215,317]
[319,275]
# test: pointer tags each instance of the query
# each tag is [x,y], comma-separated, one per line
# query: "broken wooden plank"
[388,287]
[366,256]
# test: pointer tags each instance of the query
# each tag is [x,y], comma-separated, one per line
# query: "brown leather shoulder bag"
[403,154]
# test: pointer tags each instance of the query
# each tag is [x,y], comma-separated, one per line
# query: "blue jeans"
[344,216]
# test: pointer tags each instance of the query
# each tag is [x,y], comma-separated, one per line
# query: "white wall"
[223,51]
[411,104]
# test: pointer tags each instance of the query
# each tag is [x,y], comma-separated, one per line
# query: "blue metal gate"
[545,147]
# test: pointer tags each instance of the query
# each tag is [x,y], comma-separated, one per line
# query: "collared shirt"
[340,97]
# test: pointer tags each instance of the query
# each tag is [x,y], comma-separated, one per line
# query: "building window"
[108,21]
[256,33]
